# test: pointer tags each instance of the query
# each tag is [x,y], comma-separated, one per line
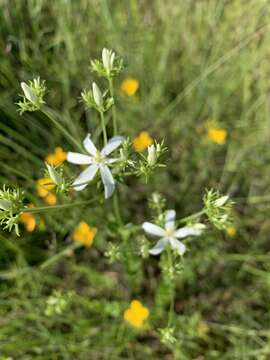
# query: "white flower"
[97,160]
[170,234]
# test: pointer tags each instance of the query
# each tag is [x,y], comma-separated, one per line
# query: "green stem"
[191,217]
[172,289]
[117,209]
[56,207]
[103,127]
[61,128]
[113,107]
[8,275]
[59,255]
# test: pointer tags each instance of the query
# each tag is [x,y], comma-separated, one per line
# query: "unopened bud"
[28,93]
[54,176]
[221,201]
[97,95]
[152,155]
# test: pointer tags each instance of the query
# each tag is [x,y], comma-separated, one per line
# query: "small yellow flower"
[56,158]
[44,187]
[231,230]
[28,220]
[142,141]
[136,314]
[130,86]
[217,135]
[84,234]
[50,199]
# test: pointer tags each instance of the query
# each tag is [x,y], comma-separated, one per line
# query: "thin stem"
[103,127]
[18,272]
[117,209]
[191,217]
[56,207]
[172,288]
[59,255]
[61,128]
[113,107]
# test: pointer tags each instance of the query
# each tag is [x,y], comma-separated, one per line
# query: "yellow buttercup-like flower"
[142,141]
[44,188]
[136,314]
[50,199]
[28,220]
[56,158]
[217,135]
[231,230]
[84,234]
[130,86]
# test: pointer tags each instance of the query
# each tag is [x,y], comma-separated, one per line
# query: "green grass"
[196,61]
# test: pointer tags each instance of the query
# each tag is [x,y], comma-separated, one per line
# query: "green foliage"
[197,63]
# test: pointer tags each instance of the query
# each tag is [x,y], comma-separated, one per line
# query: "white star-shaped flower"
[97,160]
[170,234]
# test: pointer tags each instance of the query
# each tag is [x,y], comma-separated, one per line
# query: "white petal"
[77,158]
[159,247]
[169,219]
[86,176]
[187,231]
[178,245]
[107,180]
[153,229]
[111,160]
[89,145]
[112,145]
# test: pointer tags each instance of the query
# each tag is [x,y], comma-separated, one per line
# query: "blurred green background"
[198,62]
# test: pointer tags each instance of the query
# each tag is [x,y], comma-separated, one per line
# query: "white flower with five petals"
[97,161]
[170,234]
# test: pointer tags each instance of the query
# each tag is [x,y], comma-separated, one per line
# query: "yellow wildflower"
[50,199]
[84,234]
[136,314]
[56,158]
[44,187]
[231,230]
[142,141]
[217,135]
[28,220]
[130,86]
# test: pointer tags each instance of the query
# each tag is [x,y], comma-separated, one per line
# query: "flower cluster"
[106,162]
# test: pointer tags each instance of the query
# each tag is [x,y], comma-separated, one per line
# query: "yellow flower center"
[99,158]
[170,232]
